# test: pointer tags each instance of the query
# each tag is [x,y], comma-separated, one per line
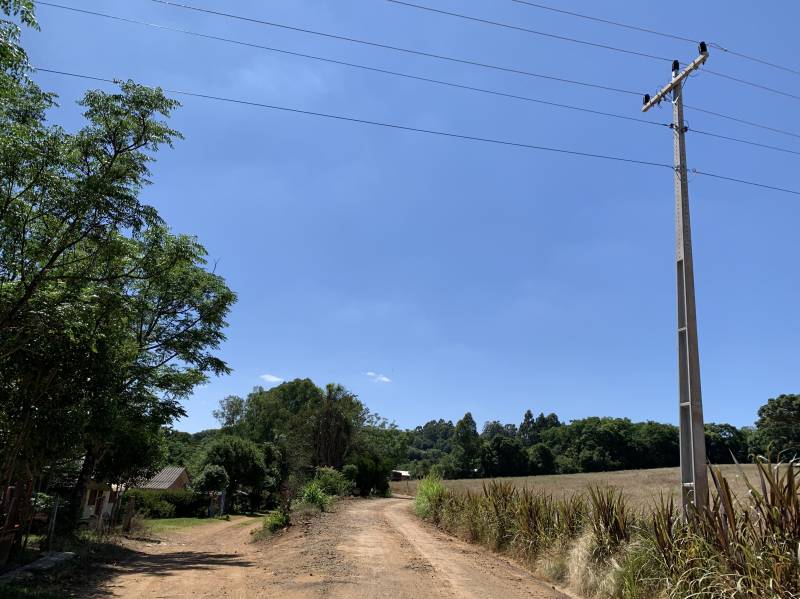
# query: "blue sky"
[433,276]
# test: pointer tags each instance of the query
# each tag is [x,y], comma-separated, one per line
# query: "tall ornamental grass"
[430,498]
[740,547]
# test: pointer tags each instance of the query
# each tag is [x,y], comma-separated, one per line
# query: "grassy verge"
[596,544]
[167,525]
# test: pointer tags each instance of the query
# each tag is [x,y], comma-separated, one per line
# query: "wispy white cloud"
[271,378]
[378,378]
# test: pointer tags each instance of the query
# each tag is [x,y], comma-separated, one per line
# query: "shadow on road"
[95,579]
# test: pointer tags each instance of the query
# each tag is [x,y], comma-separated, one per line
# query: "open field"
[641,487]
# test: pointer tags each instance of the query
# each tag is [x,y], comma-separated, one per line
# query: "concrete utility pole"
[694,478]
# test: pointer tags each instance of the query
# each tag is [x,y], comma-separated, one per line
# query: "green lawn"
[164,525]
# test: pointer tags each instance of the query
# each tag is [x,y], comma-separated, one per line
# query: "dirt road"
[365,549]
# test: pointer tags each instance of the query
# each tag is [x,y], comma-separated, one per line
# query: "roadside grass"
[642,488]
[168,525]
[599,544]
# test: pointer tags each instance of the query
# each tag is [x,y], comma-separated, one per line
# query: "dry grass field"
[641,487]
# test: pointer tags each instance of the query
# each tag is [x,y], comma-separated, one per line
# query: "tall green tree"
[231,412]
[466,446]
[528,431]
[107,320]
[335,423]
[778,426]
[242,460]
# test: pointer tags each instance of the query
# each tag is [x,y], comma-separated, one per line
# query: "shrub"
[333,482]
[499,501]
[372,474]
[610,521]
[314,494]
[276,520]
[431,494]
[350,472]
[213,478]
[166,504]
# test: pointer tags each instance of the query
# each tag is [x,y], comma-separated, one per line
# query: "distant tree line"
[545,445]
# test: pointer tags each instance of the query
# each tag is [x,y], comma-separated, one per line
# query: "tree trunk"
[79,492]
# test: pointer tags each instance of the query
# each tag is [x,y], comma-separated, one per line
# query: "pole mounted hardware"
[677,78]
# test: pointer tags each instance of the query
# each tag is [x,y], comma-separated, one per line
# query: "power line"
[379,123]
[608,22]
[417,77]
[744,182]
[743,121]
[579,41]
[332,36]
[751,84]
[401,74]
[531,31]
[662,34]
[757,60]
[426,79]
[744,141]
[446,134]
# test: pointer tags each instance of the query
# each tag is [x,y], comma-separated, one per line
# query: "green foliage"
[528,432]
[610,522]
[778,427]
[372,475]
[183,448]
[430,498]
[212,479]
[166,504]
[107,319]
[333,482]
[277,520]
[725,444]
[242,460]
[300,427]
[231,412]
[466,451]
[503,456]
[350,472]
[334,425]
[499,500]
[314,494]
[24,9]
[541,459]
[378,448]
